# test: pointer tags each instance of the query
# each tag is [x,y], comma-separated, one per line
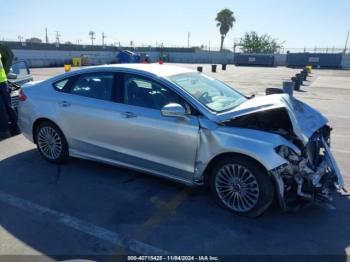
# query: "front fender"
[256,144]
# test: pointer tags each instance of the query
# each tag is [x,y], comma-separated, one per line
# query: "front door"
[167,145]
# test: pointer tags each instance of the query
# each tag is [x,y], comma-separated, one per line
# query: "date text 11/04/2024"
[173,258]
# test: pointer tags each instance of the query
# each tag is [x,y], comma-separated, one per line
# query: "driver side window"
[139,91]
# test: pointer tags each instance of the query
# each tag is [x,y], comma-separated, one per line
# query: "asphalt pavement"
[82,208]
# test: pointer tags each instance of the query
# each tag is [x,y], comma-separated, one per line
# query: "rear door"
[87,113]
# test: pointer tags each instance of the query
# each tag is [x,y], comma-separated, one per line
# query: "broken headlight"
[287,153]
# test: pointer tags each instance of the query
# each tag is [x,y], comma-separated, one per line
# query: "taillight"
[21,96]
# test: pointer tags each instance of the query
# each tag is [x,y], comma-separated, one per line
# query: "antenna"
[92,37]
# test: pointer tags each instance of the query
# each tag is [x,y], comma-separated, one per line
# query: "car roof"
[156,69]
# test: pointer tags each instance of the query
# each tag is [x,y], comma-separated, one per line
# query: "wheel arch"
[38,121]
[217,158]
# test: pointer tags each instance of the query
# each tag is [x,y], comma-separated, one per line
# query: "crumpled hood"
[305,119]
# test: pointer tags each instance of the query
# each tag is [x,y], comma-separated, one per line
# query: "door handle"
[65,103]
[128,114]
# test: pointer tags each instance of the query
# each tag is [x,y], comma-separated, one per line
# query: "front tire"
[242,186]
[51,142]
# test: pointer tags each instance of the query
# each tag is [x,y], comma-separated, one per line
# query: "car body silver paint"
[259,145]
[174,148]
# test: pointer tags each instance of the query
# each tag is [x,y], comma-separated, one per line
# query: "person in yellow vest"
[7,111]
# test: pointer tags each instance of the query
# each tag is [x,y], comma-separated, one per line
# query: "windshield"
[210,92]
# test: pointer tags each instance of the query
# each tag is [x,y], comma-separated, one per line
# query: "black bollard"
[304,74]
[296,83]
[223,67]
[200,68]
[213,68]
[300,78]
[288,87]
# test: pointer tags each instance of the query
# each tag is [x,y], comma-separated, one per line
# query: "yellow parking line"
[165,209]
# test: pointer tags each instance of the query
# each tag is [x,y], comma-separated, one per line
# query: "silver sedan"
[186,126]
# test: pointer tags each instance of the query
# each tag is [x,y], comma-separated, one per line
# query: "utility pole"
[58,37]
[20,38]
[346,42]
[92,37]
[46,37]
[188,39]
[78,41]
[209,45]
[103,38]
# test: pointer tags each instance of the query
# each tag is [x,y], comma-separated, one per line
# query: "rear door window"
[94,85]
[60,85]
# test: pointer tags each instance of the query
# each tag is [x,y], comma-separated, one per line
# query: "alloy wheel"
[237,187]
[49,142]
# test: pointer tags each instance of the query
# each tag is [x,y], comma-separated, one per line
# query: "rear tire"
[51,143]
[242,186]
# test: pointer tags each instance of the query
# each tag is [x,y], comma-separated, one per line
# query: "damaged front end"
[310,176]
[310,173]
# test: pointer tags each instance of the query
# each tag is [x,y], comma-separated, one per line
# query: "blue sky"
[300,23]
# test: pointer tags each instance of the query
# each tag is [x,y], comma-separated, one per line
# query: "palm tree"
[225,21]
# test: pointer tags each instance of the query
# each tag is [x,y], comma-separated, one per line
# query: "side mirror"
[11,76]
[174,110]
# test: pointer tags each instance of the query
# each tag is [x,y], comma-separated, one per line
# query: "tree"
[253,43]
[225,21]
[34,40]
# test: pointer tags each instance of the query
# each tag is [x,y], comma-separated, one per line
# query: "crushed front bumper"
[298,182]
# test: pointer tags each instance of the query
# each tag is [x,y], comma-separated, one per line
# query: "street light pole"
[188,39]
[103,38]
[346,42]
[58,37]
[92,37]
